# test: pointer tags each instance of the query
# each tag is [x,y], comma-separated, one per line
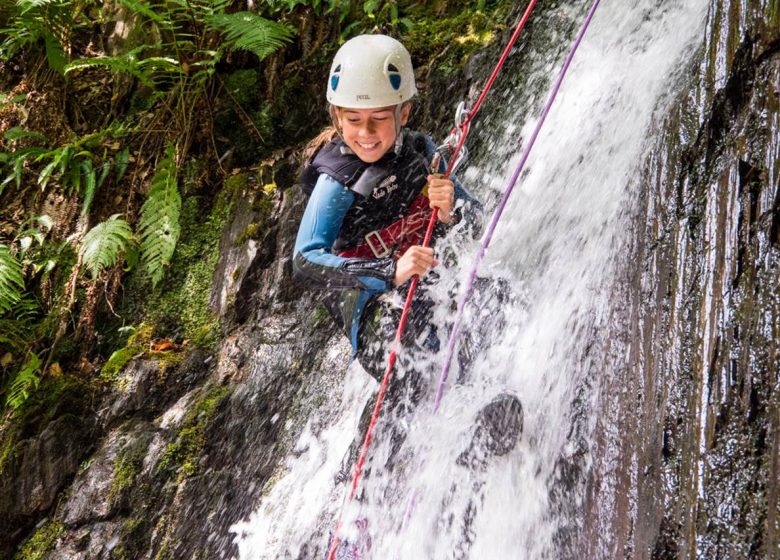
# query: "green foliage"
[382,12]
[150,71]
[70,164]
[159,224]
[11,280]
[180,304]
[36,22]
[188,27]
[24,382]
[250,32]
[104,243]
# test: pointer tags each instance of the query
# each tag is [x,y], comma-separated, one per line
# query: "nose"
[368,128]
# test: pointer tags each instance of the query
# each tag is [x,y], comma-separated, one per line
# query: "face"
[370,133]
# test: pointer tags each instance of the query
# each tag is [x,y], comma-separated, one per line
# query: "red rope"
[464,126]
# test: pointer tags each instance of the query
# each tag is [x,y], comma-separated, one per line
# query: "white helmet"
[371,71]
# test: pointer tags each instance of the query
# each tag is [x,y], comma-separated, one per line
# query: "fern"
[24,383]
[159,224]
[250,32]
[103,244]
[11,280]
[33,21]
[149,70]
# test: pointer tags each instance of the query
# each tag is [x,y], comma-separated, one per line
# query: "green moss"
[117,362]
[6,446]
[318,316]
[56,396]
[126,468]
[250,232]
[447,42]
[183,453]
[137,343]
[38,546]
[243,86]
[179,306]
[236,183]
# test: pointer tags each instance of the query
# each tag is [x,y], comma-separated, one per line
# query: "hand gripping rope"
[458,137]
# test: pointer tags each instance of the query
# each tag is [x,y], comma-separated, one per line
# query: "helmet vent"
[334,79]
[394,75]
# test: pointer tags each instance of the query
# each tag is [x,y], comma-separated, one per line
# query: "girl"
[371,189]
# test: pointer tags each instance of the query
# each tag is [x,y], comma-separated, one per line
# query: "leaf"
[55,54]
[24,383]
[103,244]
[122,158]
[46,221]
[159,223]
[89,190]
[11,280]
[25,243]
[45,175]
[250,32]
[75,177]
[64,159]
[17,133]
[104,169]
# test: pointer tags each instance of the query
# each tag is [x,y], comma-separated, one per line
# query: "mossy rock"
[183,454]
[179,306]
[38,546]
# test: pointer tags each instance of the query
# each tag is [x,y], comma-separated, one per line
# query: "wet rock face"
[98,491]
[699,448]
[38,469]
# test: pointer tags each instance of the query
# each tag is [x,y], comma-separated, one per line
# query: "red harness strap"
[396,238]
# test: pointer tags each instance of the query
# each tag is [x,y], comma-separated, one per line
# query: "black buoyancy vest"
[385,189]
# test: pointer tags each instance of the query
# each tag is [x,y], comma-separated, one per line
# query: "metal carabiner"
[447,148]
[461,114]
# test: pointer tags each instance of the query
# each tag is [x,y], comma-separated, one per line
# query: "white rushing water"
[558,244]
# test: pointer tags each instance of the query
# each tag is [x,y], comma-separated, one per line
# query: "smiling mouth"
[368,146]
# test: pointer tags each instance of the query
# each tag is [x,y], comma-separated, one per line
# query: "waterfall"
[559,247]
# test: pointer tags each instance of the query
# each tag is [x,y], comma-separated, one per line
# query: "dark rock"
[98,489]
[98,541]
[140,376]
[39,468]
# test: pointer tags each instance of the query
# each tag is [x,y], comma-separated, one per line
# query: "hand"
[441,194]
[416,260]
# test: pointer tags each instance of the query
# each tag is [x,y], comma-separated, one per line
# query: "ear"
[406,110]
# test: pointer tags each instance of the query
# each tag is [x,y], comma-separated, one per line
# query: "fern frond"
[159,223]
[33,20]
[103,244]
[147,70]
[11,280]
[250,32]
[25,382]
[155,12]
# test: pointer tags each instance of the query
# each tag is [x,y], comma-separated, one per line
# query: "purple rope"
[497,214]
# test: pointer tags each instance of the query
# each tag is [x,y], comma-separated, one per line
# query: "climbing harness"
[458,137]
[502,204]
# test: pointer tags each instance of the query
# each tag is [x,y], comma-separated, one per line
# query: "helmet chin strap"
[399,138]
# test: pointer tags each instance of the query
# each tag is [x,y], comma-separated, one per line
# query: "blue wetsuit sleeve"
[467,208]
[313,262]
